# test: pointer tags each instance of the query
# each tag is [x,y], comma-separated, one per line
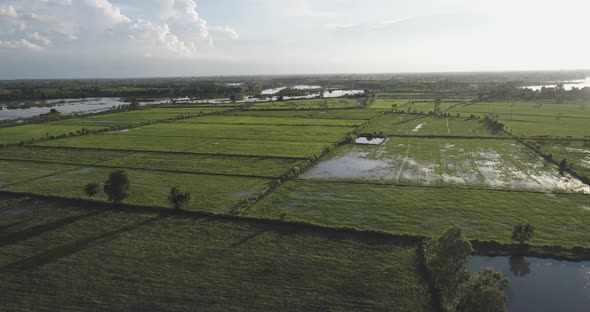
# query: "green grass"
[293,149]
[12,172]
[261,148]
[405,124]
[309,104]
[61,257]
[219,194]
[248,120]
[13,135]
[537,126]
[245,132]
[253,166]
[128,142]
[356,114]
[61,155]
[489,215]
[124,119]
[527,108]
[413,105]
[501,164]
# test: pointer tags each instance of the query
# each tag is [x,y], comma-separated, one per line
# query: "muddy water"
[366,141]
[351,167]
[541,285]
[458,165]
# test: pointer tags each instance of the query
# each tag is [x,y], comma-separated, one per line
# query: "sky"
[162,38]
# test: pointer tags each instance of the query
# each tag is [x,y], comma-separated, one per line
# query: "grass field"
[59,155]
[418,125]
[255,120]
[123,119]
[413,106]
[575,152]
[231,165]
[309,104]
[13,135]
[213,193]
[503,164]
[61,257]
[350,114]
[527,108]
[540,126]
[483,214]
[247,132]
[294,149]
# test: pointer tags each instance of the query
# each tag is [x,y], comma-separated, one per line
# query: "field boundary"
[98,165]
[165,152]
[483,248]
[439,187]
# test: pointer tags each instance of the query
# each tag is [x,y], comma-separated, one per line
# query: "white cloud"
[20,44]
[40,38]
[110,11]
[225,31]
[156,35]
[183,13]
[8,12]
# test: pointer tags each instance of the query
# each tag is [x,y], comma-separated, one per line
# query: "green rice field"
[60,256]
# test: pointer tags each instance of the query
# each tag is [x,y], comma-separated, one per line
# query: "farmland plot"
[294,149]
[180,162]
[502,164]
[483,214]
[351,114]
[419,125]
[213,193]
[547,126]
[67,258]
[575,152]
[527,108]
[250,120]
[329,103]
[246,132]
[13,135]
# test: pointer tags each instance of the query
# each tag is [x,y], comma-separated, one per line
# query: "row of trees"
[117,188]
[447,258]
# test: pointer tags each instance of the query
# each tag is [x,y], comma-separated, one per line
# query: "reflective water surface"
[541,284]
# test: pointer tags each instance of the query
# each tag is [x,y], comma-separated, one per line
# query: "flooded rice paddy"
[369,141]
[502,164]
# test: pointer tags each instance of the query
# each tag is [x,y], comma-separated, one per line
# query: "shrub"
[91,189]
[523,233]
[178,199]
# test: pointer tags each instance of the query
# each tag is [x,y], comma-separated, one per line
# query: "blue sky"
[136,38]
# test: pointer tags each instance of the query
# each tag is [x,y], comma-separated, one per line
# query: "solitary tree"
[523,233]
[562,167]
[447,257]
[91,189]
[178,199]
[117,186]
[485,292]
[134,104]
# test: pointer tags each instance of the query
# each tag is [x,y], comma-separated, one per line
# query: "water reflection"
[519,266]
[70,106]
[581,83]
[541,285]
